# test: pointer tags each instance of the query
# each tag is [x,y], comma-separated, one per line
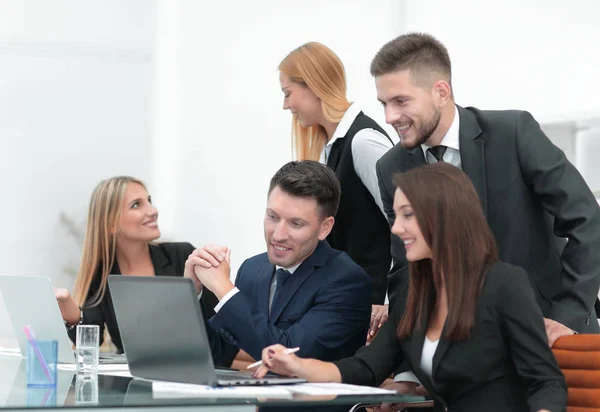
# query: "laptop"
[164,334]
[31,301]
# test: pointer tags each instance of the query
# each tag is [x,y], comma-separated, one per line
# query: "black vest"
[360,228]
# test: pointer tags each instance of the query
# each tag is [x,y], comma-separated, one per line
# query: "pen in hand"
[285,352]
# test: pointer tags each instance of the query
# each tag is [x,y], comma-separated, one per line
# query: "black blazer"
[534,200]
[506,364]
[360,228]
[168,259]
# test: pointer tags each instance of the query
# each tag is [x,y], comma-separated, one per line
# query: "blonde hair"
[315,66]
[99,245]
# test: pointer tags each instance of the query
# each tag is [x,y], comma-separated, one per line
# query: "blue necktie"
[282,276]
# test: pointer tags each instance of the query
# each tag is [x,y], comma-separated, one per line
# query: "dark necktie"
[438,152]
[282,276]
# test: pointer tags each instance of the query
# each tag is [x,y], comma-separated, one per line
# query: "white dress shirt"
[368,146]
[429,348]
[451,141]
[235,290]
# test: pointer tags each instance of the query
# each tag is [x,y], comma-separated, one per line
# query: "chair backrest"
[578,357]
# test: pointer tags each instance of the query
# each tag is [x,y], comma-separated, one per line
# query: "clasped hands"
[210,267]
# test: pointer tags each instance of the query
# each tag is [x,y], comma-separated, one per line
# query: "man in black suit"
[542,213]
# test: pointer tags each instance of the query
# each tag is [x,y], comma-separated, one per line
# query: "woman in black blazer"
[470,328]
[122,223]
[326,127]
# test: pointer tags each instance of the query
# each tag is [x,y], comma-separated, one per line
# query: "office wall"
[217,65]
[75,81]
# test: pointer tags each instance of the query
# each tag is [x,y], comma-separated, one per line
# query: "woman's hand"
[276,361]
[69,309]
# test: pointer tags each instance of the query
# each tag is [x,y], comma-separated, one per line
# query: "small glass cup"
[87,348]
[41,362]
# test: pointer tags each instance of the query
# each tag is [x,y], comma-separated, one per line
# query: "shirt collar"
[344,124]
[291,270]
[451,139]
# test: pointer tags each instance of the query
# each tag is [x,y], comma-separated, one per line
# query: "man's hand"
[188,271]
[555,330]
[212,269]
[379,315]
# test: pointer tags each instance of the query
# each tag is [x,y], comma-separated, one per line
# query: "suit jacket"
[542,213]
[360,229]
[323,308]
[168,259]
[505,365]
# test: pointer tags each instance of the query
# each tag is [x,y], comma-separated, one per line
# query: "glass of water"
[87,347]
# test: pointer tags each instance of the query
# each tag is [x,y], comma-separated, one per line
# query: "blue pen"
[38,352]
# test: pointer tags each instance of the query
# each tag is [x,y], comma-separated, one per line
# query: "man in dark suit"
[542,213]
[301,292]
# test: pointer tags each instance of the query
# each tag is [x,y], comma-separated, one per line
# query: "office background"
[184,94]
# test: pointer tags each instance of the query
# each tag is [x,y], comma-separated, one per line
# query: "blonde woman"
[328,128]
[122,223]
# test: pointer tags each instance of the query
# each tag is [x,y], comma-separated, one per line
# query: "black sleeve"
[526,336]
[91,315]
[398,275]
[564,194]
[372,364]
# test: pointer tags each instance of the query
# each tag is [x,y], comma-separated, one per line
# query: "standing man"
[541,211]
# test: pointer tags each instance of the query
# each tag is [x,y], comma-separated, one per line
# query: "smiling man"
[301,292]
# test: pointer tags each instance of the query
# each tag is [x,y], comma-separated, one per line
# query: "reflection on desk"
[106,392]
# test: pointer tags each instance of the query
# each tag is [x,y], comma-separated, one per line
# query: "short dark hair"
[421,53]
[308,178]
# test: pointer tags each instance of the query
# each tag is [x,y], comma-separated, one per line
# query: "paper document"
[161,390]
[107,367]
[335,389]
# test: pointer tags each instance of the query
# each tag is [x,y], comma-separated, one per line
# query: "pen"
[37,351]
[285,352]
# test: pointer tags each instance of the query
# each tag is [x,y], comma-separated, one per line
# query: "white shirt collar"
[451,139]
[344,124]
[291,270]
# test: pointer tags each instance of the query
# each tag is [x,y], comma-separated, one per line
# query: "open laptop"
[164,334]
[31,301]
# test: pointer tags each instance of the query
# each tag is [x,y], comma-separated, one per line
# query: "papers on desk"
[121,369]
[183,390]
[335,389]
[162,390]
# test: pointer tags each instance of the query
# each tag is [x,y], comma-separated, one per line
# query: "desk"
[116,391]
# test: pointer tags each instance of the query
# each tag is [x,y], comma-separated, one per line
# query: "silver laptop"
[164,334]
[31,301]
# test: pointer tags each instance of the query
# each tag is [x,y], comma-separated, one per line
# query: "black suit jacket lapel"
[472,153]
[415,158]
[163,265]
[318,259]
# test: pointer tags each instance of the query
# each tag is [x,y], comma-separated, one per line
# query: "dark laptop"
[164,334]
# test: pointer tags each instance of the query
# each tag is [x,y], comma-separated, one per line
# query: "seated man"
[301,292]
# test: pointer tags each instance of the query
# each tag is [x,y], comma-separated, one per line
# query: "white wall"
[538,55]
[230,134]
[75,81]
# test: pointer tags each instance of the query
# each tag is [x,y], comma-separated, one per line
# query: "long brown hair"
[317,67]
[99,245]
[449,214]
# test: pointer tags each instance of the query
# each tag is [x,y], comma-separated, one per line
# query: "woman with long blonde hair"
[121,226]
[328,128]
